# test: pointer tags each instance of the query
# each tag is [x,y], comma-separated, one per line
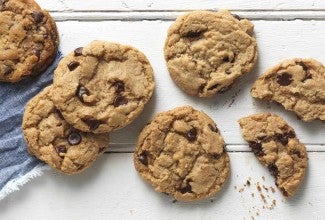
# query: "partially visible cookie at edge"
[103,86]
[182,153]
[51,139]
[276,146]
[207,51]
[28,39]
[297,84]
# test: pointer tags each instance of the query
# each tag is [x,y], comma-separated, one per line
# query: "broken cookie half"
[297,84]
[276,146]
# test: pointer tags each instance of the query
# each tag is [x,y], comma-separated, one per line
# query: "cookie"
[297,84]
[28,39]
[181,153]
[103,86]
[276,146]
[51,139]
[207,51]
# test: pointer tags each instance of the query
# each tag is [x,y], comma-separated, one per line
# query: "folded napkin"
[17,166]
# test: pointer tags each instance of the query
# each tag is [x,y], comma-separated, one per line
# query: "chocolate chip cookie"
[28,39]
[103,86]
[181,153]
[276,146]
[207,51]
[51,139]
[297,84]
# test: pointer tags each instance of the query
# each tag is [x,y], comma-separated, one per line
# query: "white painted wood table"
[111,189]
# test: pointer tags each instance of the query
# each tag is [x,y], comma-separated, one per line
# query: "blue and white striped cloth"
[17,166]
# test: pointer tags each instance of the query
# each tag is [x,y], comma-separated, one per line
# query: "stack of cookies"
[96,89]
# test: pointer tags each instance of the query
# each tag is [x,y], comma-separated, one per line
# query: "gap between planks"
[269,15]
[235,148]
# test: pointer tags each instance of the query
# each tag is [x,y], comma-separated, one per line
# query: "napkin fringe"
[14,184]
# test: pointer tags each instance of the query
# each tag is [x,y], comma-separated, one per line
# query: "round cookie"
[103,86]
[297,84]
[28,39]
[181,153]
[207,51]
[51,139]
[276,146]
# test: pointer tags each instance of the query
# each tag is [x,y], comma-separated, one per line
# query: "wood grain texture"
[146,5]
[112,189]
[277,40]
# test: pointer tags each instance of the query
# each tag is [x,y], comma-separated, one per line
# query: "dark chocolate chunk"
[143,158]
[194,34]
[284,79]
[38,16]
[307,76]
[216,156]
[74,138]
[297,152]
[78,51]
[191,134]
[73,65]
[60,149]
[225,59]
[274,170]
[92,123]
[303,65]
[119,86]
[187,188]
[119,100]
[7,70]
[256,148]
[282,138]
[228,72]
[291,134]
[81,91]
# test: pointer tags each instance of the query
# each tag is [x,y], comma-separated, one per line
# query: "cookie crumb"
[248,183]
[174,201]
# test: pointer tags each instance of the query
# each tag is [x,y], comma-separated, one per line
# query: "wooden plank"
[277,40]
[111,189]
[131,5]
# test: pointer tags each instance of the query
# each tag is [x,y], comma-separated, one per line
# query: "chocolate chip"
[303,65]
[92,123]
[291,134]
[74,138]
[191,134]
[214,87]
[194,34]
[236,16]
[119,100]
[119,86]
[282,138]
[307,76]
[143,158]
[297,152]
[274,170]
[213,128]
[216,156]
[60,149]
[7,70]
[81,91]
[73,65]
[228,72]
[225,59]
[78,51]
[256,148]
[38,16]
[187,188]
[284,79]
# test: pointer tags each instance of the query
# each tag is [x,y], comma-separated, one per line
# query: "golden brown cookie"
[103,86]
[276,146]
[207,51]
[51,139]
[297,84]
[28,39]
[181,153]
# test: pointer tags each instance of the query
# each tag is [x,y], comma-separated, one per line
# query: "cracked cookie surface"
[207,51]
[276,146]
[103,86]
[51,139]
[297,84]
[181,153]
[28,39]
